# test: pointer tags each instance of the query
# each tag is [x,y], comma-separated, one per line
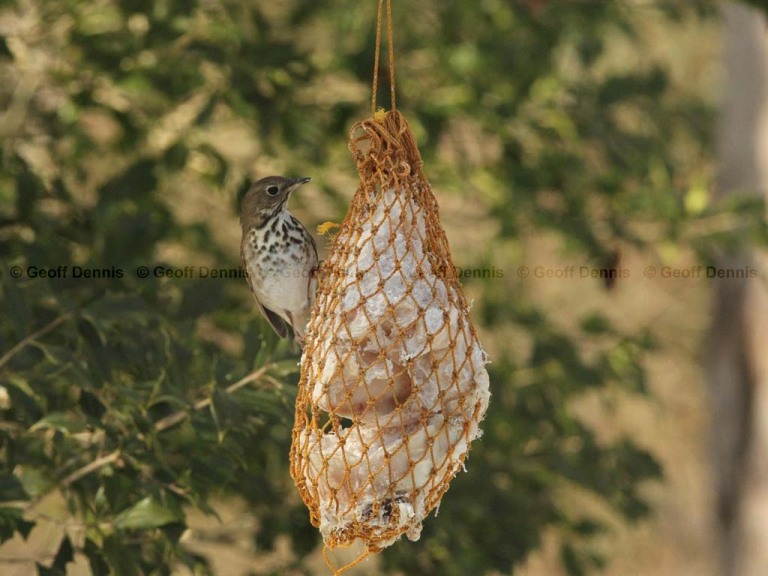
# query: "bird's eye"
[272,190]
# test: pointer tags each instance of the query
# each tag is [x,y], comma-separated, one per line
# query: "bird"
[279,255]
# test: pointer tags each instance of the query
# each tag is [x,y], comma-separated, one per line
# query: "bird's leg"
[314,281]
[317,270]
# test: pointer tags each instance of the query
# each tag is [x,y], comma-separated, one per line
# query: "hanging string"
[376,60]
[391,53]
[391,45]
[339,571]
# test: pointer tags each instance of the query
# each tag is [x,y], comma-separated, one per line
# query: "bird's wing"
[279,325]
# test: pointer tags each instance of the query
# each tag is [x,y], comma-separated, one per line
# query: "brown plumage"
[279,255]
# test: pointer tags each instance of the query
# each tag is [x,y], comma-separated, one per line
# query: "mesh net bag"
[393,381]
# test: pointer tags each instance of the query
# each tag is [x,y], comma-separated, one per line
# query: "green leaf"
[25,403]
[22,386]
[95,557]
[11,489]
[36,481]
[285,368]
[251,342]
[61,421]
[596,324]
[56,355]
[122,559]
[148,513]
[11,522]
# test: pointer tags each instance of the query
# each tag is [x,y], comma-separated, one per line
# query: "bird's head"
[267,197]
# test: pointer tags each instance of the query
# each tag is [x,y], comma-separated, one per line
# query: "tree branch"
[173,419]
[34,336]
[90,467]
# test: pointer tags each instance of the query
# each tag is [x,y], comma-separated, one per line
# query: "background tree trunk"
[738,355]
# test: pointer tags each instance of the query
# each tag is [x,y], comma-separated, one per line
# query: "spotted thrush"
[279,255]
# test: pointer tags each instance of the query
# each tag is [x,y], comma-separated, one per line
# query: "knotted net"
[393,381]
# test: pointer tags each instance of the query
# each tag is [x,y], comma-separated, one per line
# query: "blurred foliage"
[761,4]
[116,391]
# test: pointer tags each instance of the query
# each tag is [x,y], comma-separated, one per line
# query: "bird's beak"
[296,182]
